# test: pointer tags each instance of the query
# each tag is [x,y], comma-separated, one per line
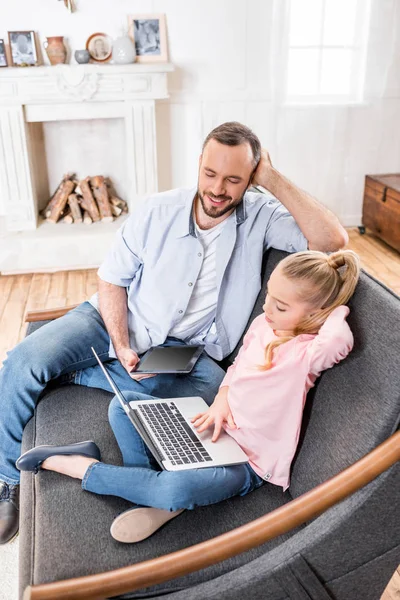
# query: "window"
[327,42]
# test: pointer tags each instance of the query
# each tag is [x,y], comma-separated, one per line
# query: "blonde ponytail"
[330,280]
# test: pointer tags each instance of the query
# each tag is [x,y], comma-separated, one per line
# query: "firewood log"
[76,212]
[60,200]
[87,201]
[116,210]
[110,186]
[68,218]
[118,202]
[46,212]
[87,219]
[100,192]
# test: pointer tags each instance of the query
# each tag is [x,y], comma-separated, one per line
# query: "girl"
[302,332]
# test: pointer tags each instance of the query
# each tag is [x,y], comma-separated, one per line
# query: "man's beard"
[214,211]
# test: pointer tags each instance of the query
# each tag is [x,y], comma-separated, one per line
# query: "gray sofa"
[347,553]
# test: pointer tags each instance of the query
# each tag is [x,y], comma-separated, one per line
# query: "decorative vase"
[124,51]
[55,50]
[82,56]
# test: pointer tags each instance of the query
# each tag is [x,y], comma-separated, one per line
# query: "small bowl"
[82,56]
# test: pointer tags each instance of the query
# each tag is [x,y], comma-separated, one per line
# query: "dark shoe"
[31,460]
[9,511]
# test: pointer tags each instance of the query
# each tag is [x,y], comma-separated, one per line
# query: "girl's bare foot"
[71,465]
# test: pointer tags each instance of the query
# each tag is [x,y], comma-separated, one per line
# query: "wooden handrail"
[47,314]
[241,539]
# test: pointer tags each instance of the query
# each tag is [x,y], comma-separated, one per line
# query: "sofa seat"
[72,526]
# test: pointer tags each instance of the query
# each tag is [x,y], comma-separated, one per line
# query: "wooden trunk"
[381,207]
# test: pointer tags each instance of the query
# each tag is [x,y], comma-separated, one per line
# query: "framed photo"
[3,57]
[99,47]
[150,37]
[23,48]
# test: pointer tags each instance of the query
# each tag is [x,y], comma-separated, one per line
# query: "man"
[185,269]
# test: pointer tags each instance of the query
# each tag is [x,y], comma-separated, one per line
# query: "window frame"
[358,67]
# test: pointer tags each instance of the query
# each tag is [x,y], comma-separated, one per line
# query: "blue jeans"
[61,349]
[142,482]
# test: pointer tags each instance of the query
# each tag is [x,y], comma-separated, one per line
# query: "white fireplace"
[34,95]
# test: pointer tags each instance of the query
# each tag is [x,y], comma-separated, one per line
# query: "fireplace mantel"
[38,94]
[65,92]
[80,83]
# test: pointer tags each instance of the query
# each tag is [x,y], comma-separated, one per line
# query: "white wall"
[227,60]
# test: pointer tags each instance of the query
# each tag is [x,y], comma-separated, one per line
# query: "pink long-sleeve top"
[267,406]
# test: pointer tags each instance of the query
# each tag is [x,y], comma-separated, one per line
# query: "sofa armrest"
[48,314]
[241,539]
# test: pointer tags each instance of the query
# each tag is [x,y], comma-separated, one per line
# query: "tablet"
[169,359]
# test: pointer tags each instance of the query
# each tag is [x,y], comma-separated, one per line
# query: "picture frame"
[149,34]
[3,55]
[23,48]
[99,46]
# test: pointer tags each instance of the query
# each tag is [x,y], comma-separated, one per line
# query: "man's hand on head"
[130,360]
[263,171]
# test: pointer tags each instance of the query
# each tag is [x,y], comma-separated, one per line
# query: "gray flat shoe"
[137,524]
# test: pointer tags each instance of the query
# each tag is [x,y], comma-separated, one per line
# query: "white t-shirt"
[200,312]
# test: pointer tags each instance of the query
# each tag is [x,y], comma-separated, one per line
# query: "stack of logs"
[89,200]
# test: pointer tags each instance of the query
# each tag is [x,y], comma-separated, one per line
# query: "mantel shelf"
[83,83]
[52,71]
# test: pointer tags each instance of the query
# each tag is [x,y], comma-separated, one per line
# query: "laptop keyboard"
[178,441]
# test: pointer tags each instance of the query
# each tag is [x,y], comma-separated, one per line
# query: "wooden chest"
[381,207]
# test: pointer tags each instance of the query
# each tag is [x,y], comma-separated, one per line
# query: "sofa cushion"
[66,530]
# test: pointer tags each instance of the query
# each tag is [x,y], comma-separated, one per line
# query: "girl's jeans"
[140,480]
[61,349]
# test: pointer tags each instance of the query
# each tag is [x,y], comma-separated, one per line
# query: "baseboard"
[351,220]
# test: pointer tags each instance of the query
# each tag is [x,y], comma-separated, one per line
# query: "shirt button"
[180,312]
[199,254]
[190,284]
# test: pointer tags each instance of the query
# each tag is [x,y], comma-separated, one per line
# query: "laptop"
[165,427]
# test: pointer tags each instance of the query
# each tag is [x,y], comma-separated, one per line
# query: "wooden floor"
[377,258]
[19,293]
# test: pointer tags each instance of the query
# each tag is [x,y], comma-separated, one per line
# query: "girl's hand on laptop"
[218,413]
[130,360]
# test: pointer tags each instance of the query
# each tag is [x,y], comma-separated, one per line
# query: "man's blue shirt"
[157,257]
